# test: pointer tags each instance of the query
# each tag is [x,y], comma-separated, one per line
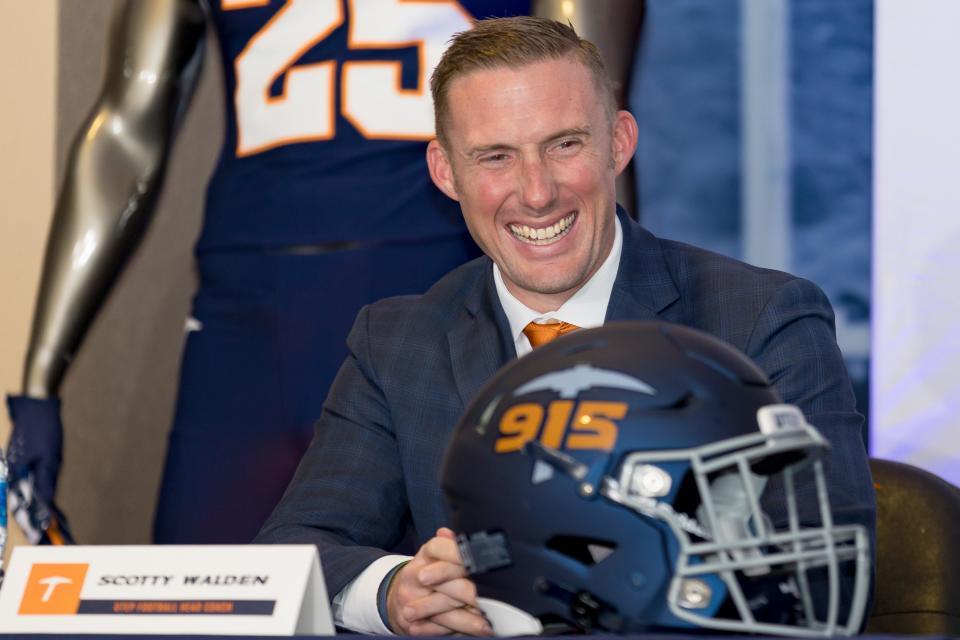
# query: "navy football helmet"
[612,481]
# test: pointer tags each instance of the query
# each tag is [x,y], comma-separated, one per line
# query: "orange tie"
[539,334]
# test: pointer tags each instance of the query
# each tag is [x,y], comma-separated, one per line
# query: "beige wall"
[28,36]
[118,394]
[27,33]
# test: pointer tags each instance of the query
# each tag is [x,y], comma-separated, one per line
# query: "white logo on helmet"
[569,382]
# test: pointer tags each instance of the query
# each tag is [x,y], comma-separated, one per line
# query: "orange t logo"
[53,589]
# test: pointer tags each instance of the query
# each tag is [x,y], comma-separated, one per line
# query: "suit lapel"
[644,285]
[479,341]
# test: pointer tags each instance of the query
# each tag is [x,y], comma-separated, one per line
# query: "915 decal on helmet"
[614,480]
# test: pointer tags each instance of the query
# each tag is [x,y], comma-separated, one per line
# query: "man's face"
[532,155]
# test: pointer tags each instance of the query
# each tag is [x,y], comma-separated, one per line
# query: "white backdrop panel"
[915,386]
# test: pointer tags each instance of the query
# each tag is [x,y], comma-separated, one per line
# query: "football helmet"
[614,480]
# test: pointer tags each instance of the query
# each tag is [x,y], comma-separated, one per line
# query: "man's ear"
[440,170]
[624,139]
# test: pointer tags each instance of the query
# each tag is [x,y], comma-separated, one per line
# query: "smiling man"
[529,141]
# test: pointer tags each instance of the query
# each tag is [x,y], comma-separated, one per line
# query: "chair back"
[918,552]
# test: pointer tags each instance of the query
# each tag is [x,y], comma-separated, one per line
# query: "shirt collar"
[586,308]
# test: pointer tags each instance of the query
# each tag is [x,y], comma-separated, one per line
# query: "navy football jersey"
[328,110]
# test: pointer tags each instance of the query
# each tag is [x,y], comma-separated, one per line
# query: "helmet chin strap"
[588,613]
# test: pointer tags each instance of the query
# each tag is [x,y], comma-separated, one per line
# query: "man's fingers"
[410,590]
[438,548]
[429,606]
[464,620]
[433,596]
[444,532]
[439,572]
[463,590]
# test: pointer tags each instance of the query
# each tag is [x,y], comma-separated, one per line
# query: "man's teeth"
[544,235]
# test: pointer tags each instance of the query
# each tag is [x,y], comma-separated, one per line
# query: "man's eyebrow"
[490,148]
[566,133]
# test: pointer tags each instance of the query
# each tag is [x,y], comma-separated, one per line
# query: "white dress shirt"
[355,607]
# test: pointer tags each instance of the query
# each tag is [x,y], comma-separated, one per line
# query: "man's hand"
[34,454]
[432,596]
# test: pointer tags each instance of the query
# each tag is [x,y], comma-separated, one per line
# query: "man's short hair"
[514,42]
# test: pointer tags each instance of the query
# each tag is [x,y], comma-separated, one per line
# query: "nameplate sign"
[166,590]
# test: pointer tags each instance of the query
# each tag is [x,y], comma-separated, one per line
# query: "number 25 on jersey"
[371,95]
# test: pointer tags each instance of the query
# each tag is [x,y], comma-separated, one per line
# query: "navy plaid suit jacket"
[416,361]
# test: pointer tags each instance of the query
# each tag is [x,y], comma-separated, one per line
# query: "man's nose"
[538,187]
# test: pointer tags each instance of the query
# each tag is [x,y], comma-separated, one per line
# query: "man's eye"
[568,145]
[493,158]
